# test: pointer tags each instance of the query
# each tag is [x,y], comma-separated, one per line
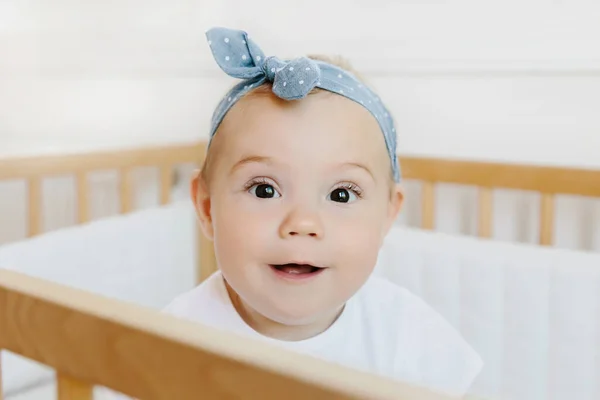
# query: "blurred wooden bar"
[35,206]
[428,206]
[82,198]
[166,184]
[73,389]
[546,219]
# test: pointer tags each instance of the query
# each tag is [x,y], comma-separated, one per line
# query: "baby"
[298,191]
[299,188]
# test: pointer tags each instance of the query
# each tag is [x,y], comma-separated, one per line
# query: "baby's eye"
[342,195]
[264,191]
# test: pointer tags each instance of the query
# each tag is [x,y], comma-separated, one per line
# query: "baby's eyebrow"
[268,160]
[358,165]
[249,160]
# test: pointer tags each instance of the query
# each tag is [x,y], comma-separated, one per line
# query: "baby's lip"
[300,262]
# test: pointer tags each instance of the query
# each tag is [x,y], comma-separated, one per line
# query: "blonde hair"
[266,89]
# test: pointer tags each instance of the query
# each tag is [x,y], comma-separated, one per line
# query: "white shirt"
[383,329]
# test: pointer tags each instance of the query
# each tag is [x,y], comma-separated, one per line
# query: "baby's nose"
[302,224]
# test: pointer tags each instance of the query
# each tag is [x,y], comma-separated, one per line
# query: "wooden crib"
[90,340]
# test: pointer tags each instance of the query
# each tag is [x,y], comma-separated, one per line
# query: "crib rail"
[92,340]
[547,181]
[35,169]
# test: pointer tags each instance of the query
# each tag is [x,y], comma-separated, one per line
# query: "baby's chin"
[309,314]
[301,314]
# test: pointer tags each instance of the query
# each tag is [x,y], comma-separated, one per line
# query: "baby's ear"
[395,205]
[201,198]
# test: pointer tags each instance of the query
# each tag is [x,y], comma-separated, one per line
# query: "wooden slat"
[27,167]
[207,261]
[485,212]
[126,191]
[34,206]
[166,183]
[428,205]
[72,389]
[82,198]
[128,348]
[584,182]
[546,219]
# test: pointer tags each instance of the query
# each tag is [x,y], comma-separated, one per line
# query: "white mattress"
[532,313]
[46,390]
[147,257]
[42,391]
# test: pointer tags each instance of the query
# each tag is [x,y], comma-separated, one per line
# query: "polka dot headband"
[238,56]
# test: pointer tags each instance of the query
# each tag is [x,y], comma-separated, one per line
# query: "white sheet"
[43,391]
[532,313]
[47,391]
[147,257]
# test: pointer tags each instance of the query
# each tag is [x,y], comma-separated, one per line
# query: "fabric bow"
[239,57]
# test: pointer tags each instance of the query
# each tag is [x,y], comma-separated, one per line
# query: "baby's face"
[300,203]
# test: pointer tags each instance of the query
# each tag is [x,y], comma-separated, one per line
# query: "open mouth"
[297,269]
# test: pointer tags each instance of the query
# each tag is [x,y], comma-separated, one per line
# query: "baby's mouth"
[296,269]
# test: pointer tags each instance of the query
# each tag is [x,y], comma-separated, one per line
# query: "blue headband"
[241,58]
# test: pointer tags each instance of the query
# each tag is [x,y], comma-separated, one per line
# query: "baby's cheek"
[241,233]
[359,243]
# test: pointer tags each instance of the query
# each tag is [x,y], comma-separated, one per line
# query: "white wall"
[518,81]
[86,75]
[524,76]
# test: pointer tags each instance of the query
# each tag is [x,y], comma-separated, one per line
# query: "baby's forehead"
[322,126]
